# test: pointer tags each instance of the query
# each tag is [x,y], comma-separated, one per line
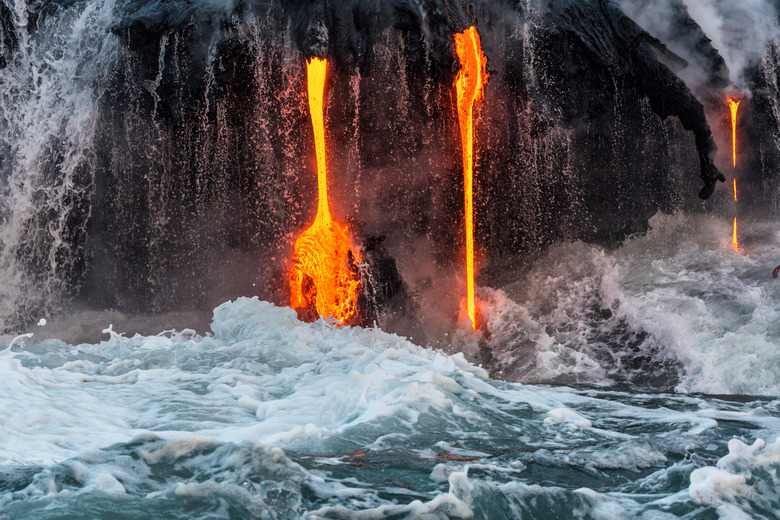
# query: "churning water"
[654,368]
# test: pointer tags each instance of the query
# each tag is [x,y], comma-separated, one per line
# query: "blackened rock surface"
[209,120]
[758,135]
[625,52]
[8,38]
[203,162]
[388,302]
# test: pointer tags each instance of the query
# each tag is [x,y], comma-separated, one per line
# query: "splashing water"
[674,309]
[274,416]
[49,101]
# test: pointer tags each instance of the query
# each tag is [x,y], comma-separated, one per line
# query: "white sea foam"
[263,376]
[271,414]
[744,480]
[676,304]
[273,379]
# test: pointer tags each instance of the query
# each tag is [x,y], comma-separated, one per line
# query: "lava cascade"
[324,271]
[469,87]
[734,243]
[734,105]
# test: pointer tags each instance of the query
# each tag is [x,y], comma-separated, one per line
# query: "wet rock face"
[221,93]
[8,39]
[605,46]
[204,165]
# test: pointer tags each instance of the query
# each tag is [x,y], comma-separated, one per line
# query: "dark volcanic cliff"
[200,165]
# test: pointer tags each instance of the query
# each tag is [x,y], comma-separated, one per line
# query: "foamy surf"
[672,309]
[270,417]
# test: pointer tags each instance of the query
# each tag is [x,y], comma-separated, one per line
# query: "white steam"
[739,31]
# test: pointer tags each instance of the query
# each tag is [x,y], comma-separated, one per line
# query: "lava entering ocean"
[469,85]
[324,272]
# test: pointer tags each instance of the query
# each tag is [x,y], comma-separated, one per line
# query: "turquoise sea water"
[647,389]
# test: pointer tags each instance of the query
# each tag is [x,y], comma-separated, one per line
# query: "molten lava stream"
[469,85]
[324,268]
[734,105]
[734,233]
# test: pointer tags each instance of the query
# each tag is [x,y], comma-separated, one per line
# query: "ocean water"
[633,382]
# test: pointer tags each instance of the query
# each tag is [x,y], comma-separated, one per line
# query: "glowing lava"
[734,105]
[324,268]
[469,85]
[734,233]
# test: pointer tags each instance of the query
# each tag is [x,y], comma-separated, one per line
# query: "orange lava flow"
[734,105]
[324,268]
[469,85]
[734,237]
[735,190]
